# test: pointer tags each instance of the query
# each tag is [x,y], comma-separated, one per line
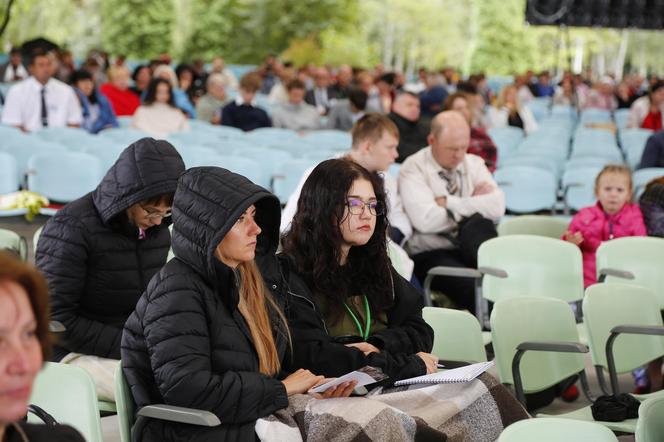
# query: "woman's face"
[239,244]
[143,78]
[163,94]
[20,351]
[86,86]
[359,219]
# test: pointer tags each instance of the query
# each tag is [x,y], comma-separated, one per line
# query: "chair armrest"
[180,414]
[624,274]
[56,327]
[656,330]
[459,272]
[652,330]
[492,271]
[552,346]
[559,347]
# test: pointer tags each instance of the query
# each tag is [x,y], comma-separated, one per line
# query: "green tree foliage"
[503,45]
[137,28]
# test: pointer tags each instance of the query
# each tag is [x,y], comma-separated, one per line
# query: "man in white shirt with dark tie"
[41,101]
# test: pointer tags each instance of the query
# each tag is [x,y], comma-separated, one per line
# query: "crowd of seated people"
[254,328]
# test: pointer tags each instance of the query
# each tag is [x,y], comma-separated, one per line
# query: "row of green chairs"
[650,428]
[537,345]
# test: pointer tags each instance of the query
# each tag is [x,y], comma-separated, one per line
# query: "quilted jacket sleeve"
[178,343]
[62,256]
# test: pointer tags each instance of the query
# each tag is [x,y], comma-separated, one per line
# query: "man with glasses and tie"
[98,254]
[452,202]
[41,101]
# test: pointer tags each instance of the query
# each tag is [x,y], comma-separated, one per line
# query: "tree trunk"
[622,53]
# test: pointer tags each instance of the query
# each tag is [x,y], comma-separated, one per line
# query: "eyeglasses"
[356,207]
[152,215]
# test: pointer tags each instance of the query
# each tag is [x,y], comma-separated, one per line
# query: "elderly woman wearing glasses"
[98,254]
[348,307]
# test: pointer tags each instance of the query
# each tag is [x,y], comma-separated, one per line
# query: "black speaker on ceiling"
[640,14]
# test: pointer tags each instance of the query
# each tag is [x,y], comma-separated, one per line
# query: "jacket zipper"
[322,320]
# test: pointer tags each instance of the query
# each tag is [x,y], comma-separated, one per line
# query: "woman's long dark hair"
[314,240]
[151,94]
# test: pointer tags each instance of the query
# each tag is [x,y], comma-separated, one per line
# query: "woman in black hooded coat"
[207,333]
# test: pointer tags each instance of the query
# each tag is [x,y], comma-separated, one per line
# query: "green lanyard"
[363,333]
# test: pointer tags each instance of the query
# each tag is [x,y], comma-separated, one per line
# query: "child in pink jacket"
[613,216]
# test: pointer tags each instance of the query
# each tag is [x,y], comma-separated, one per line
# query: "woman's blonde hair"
[167,73]
[615,168]
[255,305]
[500,101]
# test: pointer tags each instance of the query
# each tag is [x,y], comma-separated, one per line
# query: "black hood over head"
[144,170]
[208,202]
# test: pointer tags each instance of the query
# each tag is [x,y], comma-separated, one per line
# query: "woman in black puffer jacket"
[207,333]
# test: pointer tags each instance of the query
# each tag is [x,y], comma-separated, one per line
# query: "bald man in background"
[452,202]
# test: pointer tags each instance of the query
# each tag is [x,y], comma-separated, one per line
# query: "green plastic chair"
[521,265]
[556,430]
[457,336]
[35,239]
[536,344]
[127,410]
[68,394]
[650,427]
[540,225]
[626,317]
[15,242]
[633,260]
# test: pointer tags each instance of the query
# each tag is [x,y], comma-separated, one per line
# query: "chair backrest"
[15,242]
[291,172]
[610,304]
[64,176]
[249,168]
[68,394]
[9,180]
[650,426]
[642,177]
[641,255]
[552,429]
[579,186]
[541,225]
[518,320]
[527,189]
[125,405]
[535,265]
[457,335]
[35,239]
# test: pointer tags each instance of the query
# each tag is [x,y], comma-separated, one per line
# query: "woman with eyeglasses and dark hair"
[347,306]
[99,252]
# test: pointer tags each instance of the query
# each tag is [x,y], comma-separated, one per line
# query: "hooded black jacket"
[314,349]
[95,265]
[187,343]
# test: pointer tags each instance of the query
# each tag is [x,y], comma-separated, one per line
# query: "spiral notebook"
[456,375]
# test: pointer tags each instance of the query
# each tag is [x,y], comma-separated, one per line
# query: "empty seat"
[64,176]
[527,189]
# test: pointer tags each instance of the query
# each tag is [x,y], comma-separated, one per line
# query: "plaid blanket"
[475,411]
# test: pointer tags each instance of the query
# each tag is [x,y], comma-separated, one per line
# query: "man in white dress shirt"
[41,101]
[452,202]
